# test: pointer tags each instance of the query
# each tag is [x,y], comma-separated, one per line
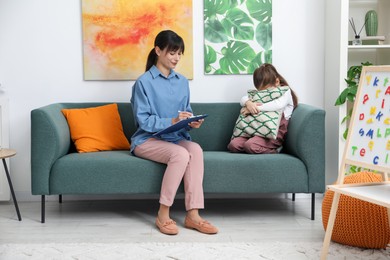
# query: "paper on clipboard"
[179,125]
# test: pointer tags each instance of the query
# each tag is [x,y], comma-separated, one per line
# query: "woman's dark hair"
[267,74]
[165,39]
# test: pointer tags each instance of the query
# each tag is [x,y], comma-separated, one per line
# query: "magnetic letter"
[372,110]
[370,133]
[377,93]
[361,132]
[370,145]
[368,78]
[385,82]
[379,115]
[375,161]
[361,116]
[378,133]
[366,98]
[376,80]
[353,149]
[387,133]
[362,152]
[387,90]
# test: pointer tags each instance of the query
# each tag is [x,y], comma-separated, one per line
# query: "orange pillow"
[96,128]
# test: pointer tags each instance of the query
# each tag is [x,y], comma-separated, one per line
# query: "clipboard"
[179,125]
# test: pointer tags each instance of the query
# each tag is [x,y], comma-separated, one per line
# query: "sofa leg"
[293,197]
[60,198]
[43,209]
[313,204]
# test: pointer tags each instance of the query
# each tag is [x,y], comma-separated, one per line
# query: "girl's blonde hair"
[266,75]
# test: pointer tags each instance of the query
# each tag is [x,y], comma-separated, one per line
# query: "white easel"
[367,145]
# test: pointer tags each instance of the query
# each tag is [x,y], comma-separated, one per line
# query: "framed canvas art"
[118,35]
[237,35]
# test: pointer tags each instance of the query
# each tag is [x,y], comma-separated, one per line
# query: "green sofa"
[56,169]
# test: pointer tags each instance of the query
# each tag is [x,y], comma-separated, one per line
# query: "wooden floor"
[239,220]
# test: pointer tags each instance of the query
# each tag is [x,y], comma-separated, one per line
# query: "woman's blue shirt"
[156,99]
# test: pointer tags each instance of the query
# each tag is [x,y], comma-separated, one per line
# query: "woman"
[160,98]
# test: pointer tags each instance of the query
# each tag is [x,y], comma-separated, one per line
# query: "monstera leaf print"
[255,62]
[213,7]
[214,31]
[237,56]
[210,57]
[238,35]
[264,35]
[238,25]
[261,10]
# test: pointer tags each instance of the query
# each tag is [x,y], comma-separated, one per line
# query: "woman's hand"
[252,107]
[182,115]
[196,124]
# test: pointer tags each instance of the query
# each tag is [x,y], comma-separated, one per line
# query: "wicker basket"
[358,223]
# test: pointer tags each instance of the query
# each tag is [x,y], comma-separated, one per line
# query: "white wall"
[334,68]
[41,63]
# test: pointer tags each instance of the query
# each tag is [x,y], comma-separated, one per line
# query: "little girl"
[265,77]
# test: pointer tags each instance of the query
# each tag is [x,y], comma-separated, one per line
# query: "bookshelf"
[340,55]
[376,54]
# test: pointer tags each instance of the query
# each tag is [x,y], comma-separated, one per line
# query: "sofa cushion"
[115,172]
[227,172]
[106,172]
[96,128]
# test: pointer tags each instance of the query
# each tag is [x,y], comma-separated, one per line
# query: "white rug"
[198,251]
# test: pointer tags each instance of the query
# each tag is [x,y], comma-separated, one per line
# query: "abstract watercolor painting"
[238,35]
[118,35]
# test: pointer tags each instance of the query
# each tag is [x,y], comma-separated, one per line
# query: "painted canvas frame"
[118,35]
[237,35]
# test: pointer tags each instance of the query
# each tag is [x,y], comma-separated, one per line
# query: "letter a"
[387,91]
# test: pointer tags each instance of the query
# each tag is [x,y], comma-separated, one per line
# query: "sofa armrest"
[306,140]
[50,140]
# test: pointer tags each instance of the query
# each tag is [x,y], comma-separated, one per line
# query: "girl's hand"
[244,111]
[196,124]
[252,107]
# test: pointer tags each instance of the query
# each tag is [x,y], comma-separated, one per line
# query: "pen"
[185,112]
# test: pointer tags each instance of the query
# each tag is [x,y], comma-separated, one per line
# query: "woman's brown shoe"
[168,228]
[202,226]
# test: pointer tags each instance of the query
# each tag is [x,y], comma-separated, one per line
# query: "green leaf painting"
[238,35]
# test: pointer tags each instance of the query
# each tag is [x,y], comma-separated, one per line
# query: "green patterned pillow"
[265,123]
